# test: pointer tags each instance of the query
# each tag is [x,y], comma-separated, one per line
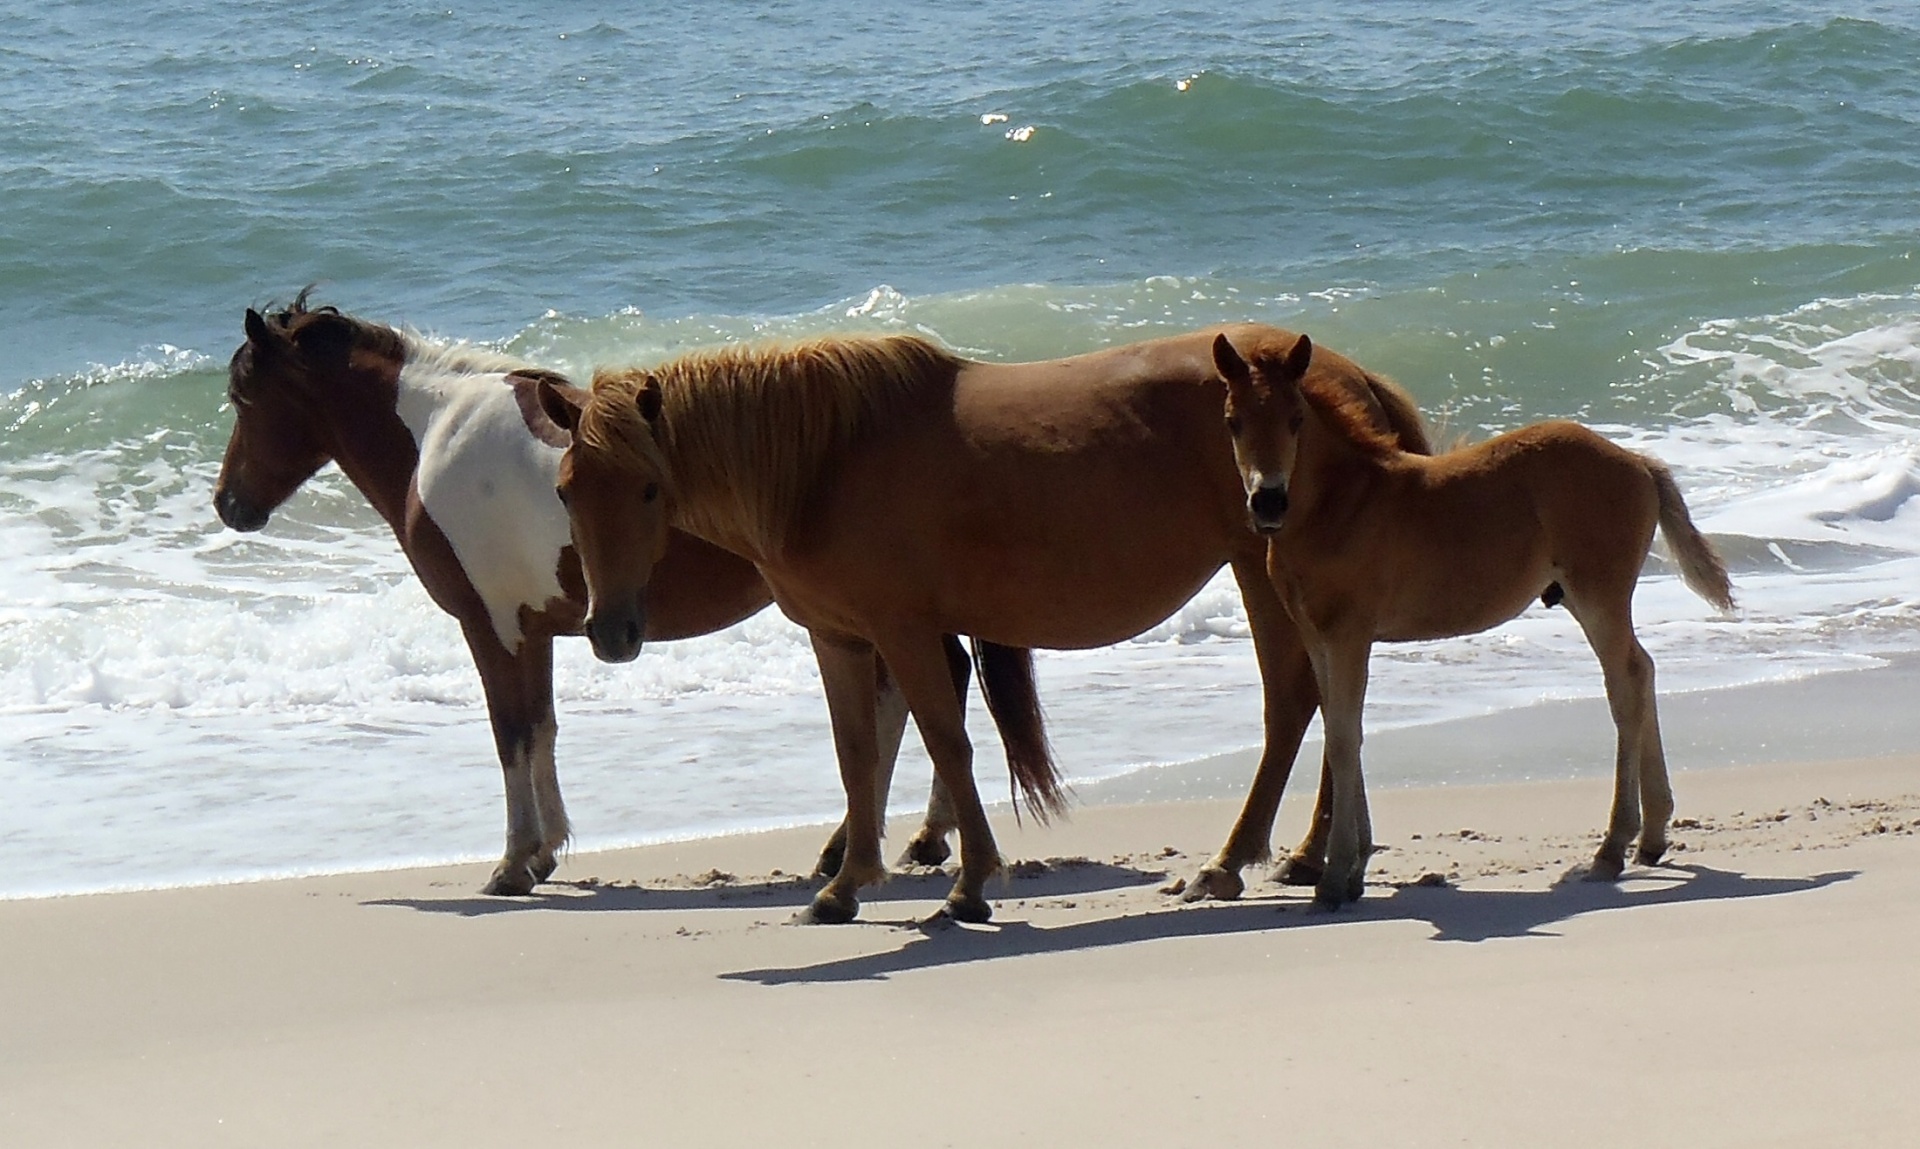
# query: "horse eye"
[561,494]
[651,493]
[1294,424]
[1233,424]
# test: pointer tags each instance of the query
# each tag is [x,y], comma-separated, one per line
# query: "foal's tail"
[1006,683]
[1700,564]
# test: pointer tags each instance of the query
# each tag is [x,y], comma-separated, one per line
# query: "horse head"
[613,481]
[1265,411]
[276,443]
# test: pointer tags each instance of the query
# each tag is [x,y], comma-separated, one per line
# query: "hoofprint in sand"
[1756,989]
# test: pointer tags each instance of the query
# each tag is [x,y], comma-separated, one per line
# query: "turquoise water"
[1694,228]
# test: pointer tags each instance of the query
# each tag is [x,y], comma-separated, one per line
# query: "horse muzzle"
[618,635]
[1267,508]
[237,512]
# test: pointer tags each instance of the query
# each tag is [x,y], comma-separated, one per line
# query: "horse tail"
[1700,564]
[1006,684]
[1403,415]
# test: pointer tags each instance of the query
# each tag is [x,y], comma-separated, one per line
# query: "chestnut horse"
[448,444]
[1370,543]
[890,491]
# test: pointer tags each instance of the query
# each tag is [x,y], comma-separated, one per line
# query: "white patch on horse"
[485,480]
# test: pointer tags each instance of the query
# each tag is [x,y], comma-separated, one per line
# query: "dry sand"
[1762,989]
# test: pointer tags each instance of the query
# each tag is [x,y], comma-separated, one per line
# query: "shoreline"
[1838,714]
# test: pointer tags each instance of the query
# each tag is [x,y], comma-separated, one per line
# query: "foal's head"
[1265,411]
[613,481]
[277,441]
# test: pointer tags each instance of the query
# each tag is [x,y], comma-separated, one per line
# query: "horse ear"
[1227,361]
[648,398]
[1299,357]
[257,331]
[563,404]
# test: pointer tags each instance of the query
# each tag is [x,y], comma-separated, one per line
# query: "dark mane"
[298,316]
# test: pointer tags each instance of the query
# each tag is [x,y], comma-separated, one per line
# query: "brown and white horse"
[891,492]
[449,445]
[1368,543]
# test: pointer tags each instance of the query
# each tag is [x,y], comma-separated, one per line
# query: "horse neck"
[1331,472]
[370,444]
[703,503]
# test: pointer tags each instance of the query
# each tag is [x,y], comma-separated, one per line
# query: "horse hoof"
[1215,882]
[1650,853]
[1606,867]
[829,863]
[926,850]
[542,867]
[1299,871]
[969,909]
[1331,893]
[510,882]
[828,912]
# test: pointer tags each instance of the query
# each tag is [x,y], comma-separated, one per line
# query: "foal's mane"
[746,435]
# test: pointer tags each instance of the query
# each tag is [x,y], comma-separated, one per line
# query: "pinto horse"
[448,444]
[890,491]
[1367,543]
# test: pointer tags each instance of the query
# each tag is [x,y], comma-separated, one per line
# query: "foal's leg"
[921,667]
[1342,668]
[1656,790]
[1289,695]
[847,671]
[522,723]
[1608,624]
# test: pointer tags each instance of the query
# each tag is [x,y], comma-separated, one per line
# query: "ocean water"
[1695,229]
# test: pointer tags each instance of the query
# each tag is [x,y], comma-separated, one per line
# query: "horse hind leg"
[1628,673]
[1656,788]
[921,668]
[928,846]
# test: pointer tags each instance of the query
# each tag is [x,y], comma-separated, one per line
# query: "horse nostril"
[633,633]
[1268,503]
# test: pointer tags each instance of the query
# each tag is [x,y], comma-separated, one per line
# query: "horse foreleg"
[523,734]
[890,726]
[536,674]
[1341,668]
[848,674]
[921,668]
[1289,696]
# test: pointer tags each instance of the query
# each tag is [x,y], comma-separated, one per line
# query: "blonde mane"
[1348,415]
[747,435]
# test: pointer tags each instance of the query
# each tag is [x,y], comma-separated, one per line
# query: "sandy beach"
[1759,989]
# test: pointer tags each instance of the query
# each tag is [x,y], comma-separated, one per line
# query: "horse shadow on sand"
[1456,915]
[716,891]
